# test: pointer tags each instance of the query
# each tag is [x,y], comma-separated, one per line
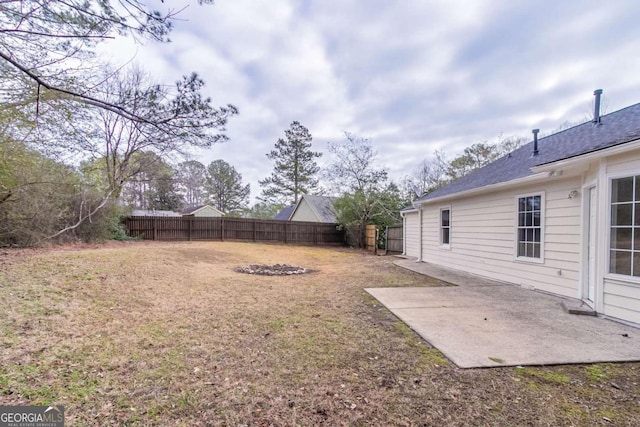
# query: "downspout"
[420,233]
[602,197]
[404,233]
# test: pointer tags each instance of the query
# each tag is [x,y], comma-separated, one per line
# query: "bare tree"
[191,181]
[155,186]
[44,43]
[431,174]
[353,168]
[181,118]
[367,197]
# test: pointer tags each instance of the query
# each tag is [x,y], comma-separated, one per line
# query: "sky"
[412,76]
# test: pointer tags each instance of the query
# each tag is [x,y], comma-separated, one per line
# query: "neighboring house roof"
[143,212]
[193,209]
[615,128]
[322,207]
[285,213]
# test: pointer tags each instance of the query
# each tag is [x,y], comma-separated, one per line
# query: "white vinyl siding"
[207,211]
[485,229]
[412,229]
[622,300]
[304,213]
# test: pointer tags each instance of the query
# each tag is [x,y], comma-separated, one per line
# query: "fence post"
[315,234]
[222,229]
[375,242]
[285,232]
[386,239]
[190,222]
[155,228]
[254,230]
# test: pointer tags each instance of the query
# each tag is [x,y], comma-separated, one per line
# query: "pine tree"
[295,167]
[225,188]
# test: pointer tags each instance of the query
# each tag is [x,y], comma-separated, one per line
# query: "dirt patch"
[169,334]
[271,270]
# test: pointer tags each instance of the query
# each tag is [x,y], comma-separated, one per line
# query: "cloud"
[412,76]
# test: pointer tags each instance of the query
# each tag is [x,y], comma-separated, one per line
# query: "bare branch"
[81,218]
[56,36]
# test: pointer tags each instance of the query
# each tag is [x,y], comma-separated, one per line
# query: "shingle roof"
[323,207]
[144,212]
[285,213]
[615,128]
[192,209]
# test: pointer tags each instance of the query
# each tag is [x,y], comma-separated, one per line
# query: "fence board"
[242,229]
[394,238]
[371,237]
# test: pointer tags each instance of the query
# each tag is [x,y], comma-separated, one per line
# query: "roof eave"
[485,189]
[542,171]
[204,206]
[621,148]
[406,211]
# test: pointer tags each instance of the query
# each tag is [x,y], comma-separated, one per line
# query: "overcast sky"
[413,76]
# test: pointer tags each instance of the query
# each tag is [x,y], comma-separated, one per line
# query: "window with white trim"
[530,226]
[624,243]
[445,227]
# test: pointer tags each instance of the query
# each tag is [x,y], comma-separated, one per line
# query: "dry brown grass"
[170,334]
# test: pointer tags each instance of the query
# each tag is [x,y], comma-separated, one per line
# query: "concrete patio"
[484,323]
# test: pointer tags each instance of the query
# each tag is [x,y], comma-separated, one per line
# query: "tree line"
[41,196]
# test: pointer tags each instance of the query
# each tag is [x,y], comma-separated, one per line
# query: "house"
[560,215]
[314,209]
[310,209]
[202,211]
[153,212]
[285,213]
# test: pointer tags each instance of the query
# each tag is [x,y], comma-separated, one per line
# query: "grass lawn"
[169,334]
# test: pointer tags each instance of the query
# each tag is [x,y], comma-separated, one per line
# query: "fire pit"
[271,270]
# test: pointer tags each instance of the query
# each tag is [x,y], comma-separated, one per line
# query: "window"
[624,257]
[529,226]
[445,226]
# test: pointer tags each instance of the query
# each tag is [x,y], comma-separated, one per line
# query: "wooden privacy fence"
[371,238]
[221,228]
[393,238]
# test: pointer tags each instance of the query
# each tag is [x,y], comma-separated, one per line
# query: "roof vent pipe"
[596,111]
[535,141]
